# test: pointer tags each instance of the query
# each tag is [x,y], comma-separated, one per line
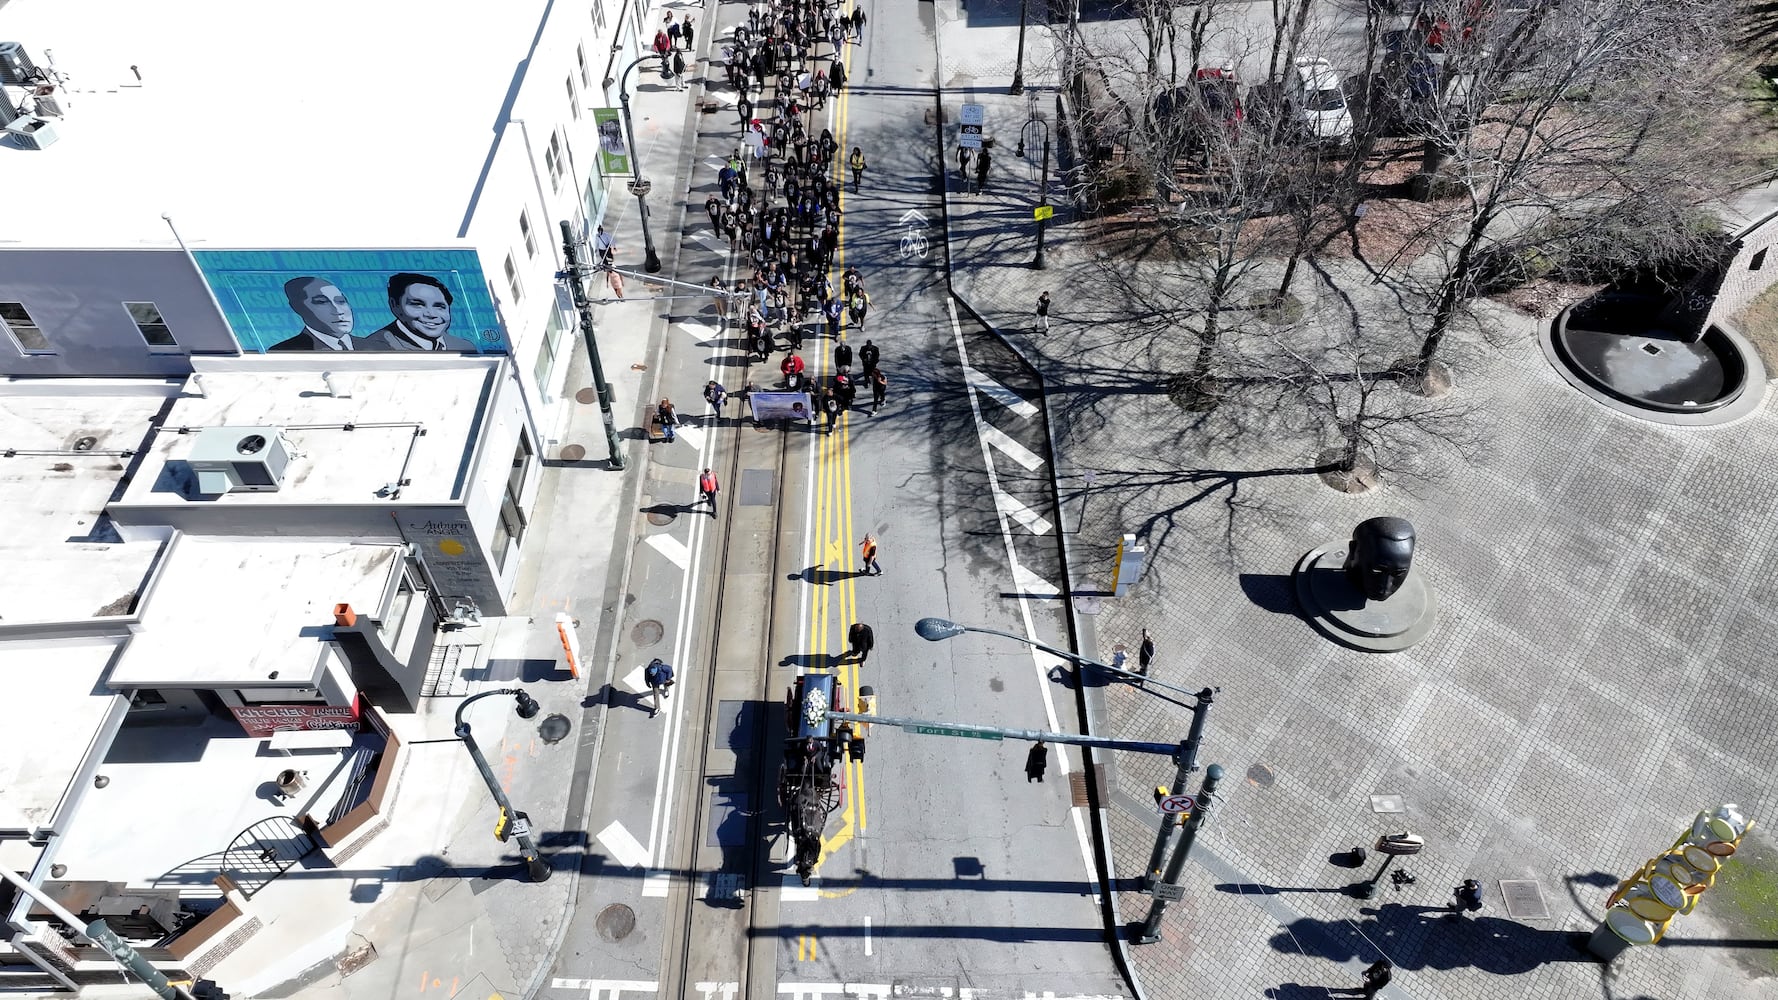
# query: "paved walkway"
[1607,606]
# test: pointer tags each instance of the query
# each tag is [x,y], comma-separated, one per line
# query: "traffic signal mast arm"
[930,728]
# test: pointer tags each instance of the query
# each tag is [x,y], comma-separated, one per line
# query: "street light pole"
[536,869]
[100,934]
[935,629]
[1187,759]
[601,388]
[1151,927]
[1043,185]
[1018,72]
[639,186]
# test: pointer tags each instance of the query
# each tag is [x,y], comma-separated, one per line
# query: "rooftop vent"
[16,68]
[239,460]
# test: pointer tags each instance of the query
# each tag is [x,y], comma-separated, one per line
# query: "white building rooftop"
[411,423]
[248,612]
[60,458]
[327,124]
[54,707]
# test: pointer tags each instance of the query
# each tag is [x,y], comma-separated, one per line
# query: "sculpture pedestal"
[1340,611]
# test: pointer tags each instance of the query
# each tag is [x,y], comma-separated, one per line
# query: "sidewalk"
[1522,734]
[433,904]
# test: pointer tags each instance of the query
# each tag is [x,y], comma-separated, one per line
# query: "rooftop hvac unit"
[32,132]
[8,112]
[239,460]
[16,68]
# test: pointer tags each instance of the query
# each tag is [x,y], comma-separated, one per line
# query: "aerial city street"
[823,499]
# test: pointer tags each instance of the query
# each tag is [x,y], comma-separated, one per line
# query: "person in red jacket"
[792,367]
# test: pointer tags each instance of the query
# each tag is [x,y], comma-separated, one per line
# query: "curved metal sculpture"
[1381,553]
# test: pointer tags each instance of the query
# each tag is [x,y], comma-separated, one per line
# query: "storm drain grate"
[1077,784]
[1523,899]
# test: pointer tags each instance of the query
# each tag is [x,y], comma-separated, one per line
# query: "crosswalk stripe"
[693,436]
[674,549]
[795,891]
[701,331]
[710,241]
[1034,522]
[1012,449]
[999,393]
[623,847]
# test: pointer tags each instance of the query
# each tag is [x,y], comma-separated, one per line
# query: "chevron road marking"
[674,549]
[999,393]
[1012,449]
[1032,520]
[624,848]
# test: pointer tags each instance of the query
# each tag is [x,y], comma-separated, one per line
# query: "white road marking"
[656,883]
[675,550]
[625,849]
[1036,523]
[710,241]
[693,436]
[1030,583]
[1012,449]
[633,680]
[701,331]
[1038,665]
[728,990]
[999,393]
[867,937]
[613,988]
[795,891]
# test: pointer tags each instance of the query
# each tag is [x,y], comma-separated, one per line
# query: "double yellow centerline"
[835,607]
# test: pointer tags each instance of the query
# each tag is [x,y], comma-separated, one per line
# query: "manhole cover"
[616,922]
[659,518]
[1523,899]
[1388,804]
[647,632]
[553,728]
[1260,775]
[587,395]
[573,452]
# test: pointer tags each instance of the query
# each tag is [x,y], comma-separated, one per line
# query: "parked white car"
[1317,101]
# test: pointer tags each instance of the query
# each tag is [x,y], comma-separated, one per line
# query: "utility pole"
[1151,928]
[1043,194]
[601,388]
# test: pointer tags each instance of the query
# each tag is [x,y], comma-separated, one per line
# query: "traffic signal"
[503,826]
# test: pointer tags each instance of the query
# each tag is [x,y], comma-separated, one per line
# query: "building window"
[521,468]
[586,78]
[152,327]
[551,345]
[512,279]
[558,164]
[525,231]
[573,98]
[24,329]
[599,14]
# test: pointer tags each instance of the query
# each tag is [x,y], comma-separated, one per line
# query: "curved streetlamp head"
[527,707]
[934,629]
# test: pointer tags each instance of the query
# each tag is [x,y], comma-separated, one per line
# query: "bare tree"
[1566,110]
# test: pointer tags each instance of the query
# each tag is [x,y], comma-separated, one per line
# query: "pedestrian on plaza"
[858,21]
[605,246]
[965,160]
[1145,652]
[679,69]
[1377,976]
[713,208]
[674,32]
[981,171]
[842,356]
[1468,897]
[615,281]
[868,550]
[832,309]
[860,640]
[662,44]
[686,32]
[856,162]
[858,307]
[1043,313]
[669,419]
[830,408]
[868,356]
[719,296]
[1036,762]
[744,107]
[879,388]
[792,368]
[836,73]
[707,488]
[845,387]
[715,395]
[659,677]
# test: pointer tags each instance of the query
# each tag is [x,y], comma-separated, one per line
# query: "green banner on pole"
[614,153]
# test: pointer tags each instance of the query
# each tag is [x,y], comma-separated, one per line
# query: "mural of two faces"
[354,300]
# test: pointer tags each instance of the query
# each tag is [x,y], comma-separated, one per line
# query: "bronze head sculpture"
[1377,561]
